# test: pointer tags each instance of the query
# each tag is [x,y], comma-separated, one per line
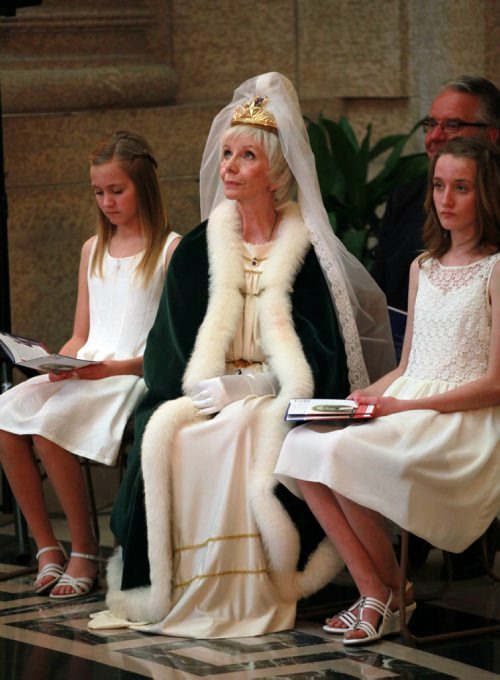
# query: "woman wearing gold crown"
[251,316]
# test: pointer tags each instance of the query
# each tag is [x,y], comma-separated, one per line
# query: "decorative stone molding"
[76,89]
[76,56]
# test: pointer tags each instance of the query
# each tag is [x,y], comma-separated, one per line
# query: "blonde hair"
[135,157]
[280,174]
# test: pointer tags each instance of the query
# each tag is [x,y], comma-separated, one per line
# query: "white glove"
[212,395]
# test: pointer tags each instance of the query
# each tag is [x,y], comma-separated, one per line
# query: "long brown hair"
[134,155]
[486,156]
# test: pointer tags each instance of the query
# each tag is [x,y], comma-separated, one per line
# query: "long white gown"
[221,582]
[87,417]
[434,474]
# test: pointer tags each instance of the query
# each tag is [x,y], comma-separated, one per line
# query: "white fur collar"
[224,235]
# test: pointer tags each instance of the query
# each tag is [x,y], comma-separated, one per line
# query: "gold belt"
[243,363]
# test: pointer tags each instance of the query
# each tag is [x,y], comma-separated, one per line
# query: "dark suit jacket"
[400,240]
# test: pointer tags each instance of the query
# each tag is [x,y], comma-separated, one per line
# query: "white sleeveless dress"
[87,417]
[434,474]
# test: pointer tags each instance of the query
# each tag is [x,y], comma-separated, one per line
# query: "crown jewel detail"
[253,113]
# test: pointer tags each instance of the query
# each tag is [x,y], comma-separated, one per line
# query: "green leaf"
[355,242]
[406,169]
[333,220]
[352,201]
[319,146]
[384,144]
[348,161]
[348,131]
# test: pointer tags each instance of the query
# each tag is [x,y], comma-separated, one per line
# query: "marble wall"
[71,72]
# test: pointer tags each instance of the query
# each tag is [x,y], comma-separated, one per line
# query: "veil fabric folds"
[359,303]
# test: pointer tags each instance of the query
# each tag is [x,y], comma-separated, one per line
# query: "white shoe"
[81,585]
[372,633]
[52,569]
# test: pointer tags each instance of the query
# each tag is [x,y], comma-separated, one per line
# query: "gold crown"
[252,113]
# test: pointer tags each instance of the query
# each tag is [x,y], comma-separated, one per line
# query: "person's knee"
[9,440]
[41,445]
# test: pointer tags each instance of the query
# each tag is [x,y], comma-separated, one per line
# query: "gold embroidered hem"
[222,586]
[221,573]
[216,538]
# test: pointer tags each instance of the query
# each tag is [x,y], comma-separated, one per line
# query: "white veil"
[359,303]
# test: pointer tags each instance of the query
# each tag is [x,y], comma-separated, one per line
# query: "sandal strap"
[361,625]
[50,569]
[383,608]
[78,583]
[48,548]
[346,617]
[86,556]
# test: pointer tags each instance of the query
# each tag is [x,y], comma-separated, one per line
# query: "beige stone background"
[72,72]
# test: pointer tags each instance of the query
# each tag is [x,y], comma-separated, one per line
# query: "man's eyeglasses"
[451,126]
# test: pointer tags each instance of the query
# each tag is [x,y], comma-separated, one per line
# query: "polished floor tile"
[45,640]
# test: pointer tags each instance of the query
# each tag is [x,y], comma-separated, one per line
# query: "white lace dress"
[87,417]
[435,474]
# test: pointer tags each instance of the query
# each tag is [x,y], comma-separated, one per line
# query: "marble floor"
[43,640]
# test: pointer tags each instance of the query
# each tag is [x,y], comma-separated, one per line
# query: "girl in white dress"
[430,460]
[84,411]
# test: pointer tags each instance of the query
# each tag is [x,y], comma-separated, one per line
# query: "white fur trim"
[134,605]
[323,564]
[151,603]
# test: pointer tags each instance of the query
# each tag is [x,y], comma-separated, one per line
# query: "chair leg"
[89,489]
[486,559]
[21,528]
[23,547]
[405,631]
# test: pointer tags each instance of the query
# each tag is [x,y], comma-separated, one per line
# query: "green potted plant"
[353,198]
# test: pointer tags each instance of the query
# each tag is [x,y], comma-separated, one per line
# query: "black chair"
[87,464]
[406,633]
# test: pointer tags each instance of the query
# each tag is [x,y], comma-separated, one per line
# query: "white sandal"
[81,585]
[347,617]
[394,624]
[53,569]
[372,633]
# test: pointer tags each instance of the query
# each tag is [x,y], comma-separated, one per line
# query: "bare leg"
[21,469]
[65,474]
[360,535]
[371,530]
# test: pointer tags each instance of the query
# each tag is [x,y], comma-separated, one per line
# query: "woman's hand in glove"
[212,395]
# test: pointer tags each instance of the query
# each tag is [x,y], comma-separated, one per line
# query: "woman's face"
[115,193]
[244,170]
[454,194]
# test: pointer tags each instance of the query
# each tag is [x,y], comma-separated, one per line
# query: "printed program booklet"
[31,354]
[328,409]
